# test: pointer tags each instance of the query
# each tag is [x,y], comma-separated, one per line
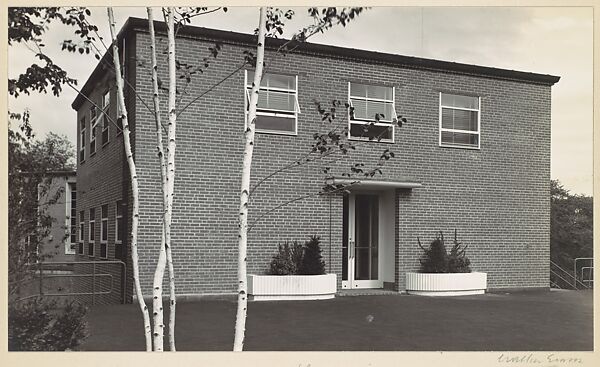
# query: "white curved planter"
[291,287]
[446,284]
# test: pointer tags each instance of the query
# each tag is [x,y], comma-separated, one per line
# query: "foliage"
[435,258]
[312,262]
[42,325]
[297,259]
[30,162]
[288,259]
[571,225]
[27,25]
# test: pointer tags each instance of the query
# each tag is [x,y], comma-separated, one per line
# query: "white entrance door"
[360,250]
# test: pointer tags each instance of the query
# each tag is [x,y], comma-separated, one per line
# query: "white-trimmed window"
[119,119]
[103,231]
[93,127]
[71,220]
[81,229]
[119,227]
[460,121]
[82,134]
[119,230]
[104,117]
[373,112]
[92,232]
[278,106]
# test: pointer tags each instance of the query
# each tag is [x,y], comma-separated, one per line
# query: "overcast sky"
[544,40]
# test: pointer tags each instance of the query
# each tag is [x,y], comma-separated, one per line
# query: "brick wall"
[103,177]
[496,197]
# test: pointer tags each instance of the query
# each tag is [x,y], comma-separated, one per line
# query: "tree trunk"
[240,322]
[167,179]
[134,182]
[171,171]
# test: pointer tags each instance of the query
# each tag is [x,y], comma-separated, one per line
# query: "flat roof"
[140,24]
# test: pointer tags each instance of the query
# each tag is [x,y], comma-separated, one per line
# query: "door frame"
[352,283]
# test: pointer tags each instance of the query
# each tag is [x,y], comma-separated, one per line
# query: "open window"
[82,135]
[105,117]
[278,106]
[459,121]
[373,113]
[93,127]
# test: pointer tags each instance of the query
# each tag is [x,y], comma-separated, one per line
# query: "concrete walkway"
[519,321]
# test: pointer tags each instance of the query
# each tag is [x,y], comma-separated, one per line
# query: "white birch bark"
[242,303]
[157,307]
[167,179]
[171,172]
[134,182]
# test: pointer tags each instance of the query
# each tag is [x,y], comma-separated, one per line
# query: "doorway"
[361,266]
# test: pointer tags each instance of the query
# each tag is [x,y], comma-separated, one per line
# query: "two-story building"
[474,156]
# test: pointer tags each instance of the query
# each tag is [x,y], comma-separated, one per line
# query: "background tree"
[29,177]
[571,226]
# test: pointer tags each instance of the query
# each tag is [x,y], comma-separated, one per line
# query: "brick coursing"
[496,197]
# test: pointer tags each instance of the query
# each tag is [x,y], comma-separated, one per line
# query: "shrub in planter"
[312,262]
[435,258]
[288,259]
[297,259]
[42,325]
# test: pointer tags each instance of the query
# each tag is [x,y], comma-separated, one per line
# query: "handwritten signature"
[539,359]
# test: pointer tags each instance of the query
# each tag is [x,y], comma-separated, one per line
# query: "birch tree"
[134,181]
[271,23]
[167,172]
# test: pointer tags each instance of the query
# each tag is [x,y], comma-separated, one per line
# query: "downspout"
[329,263]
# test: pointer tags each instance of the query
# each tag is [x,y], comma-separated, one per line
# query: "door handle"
[352,249]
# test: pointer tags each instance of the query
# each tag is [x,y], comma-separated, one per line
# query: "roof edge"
[329,50]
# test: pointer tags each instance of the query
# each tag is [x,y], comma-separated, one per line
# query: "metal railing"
[47,267]
[568,279]
[590,268]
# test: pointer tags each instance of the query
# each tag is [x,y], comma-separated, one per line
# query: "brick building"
[474,156]
[59,200]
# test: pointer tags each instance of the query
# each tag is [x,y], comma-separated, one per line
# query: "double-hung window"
[104,116]
[71,207]
[92,234]
[373,112]
[93,127]
[278,106]
[104,231]
[459,121]
[119,230]
[81,229]
[82,134]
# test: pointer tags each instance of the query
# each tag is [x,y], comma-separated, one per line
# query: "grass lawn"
[519,321]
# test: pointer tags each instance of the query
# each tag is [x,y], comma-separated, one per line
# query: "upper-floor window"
[93,127]
[82,134]
[119,119]
[459,121]
[373,112]
[278,106]
[105,117]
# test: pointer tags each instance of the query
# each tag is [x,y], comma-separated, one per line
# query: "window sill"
[92,154]
[275,132]
[105,144]
[386,141]
[458,147]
